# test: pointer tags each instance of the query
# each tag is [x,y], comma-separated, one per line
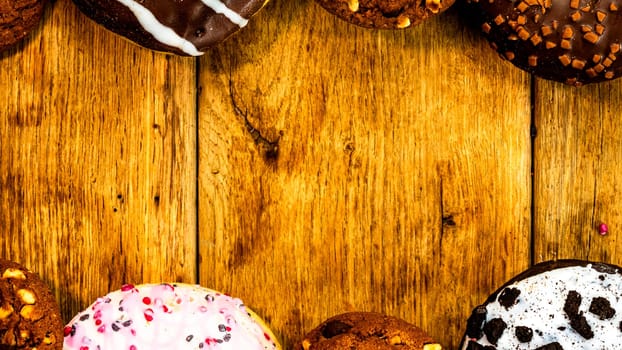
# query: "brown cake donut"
[366,331]
[29,315]
[183,27]
[385,14]
[572,41]
[17,19]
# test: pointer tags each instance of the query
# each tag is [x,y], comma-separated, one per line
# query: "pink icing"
[165,316]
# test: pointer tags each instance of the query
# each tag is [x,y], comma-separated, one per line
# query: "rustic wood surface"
[308,166]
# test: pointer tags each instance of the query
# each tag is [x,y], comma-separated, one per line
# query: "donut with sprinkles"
[571,41]
[186,28]
[167,316]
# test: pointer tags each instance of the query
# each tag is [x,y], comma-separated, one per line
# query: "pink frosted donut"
[167,316]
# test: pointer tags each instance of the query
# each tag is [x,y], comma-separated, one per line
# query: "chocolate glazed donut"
[187,27]
[571,41]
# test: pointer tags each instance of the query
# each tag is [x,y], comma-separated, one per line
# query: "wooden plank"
[401,182]
[97,160]
[577,161]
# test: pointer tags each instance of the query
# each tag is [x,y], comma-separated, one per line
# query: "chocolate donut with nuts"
[29,315]
[385,14]
[366,331]
[186,28]
[571,41]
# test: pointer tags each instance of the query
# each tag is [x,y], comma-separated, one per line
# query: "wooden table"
[366,170]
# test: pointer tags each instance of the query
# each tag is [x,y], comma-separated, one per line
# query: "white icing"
[540,306]
[167,35]
[159,31]
[219,7]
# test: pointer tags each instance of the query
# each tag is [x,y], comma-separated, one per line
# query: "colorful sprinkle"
[603,229]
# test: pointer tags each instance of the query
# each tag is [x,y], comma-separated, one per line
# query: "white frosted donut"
[167,316]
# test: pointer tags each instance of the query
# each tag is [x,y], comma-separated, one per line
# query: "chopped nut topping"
[30,312]
[574,4]
[499,20]
[5,312]
[536,39]
[353,5]
[486,28]
[522,7]
[523,33]
[591,37]
[565,59]
[576,16]
[546,30]
[600,16]
[533,60]
[403,22]
[27,296]
[578,64]
[568,32]
[14,273]
[395,340]
[600,29]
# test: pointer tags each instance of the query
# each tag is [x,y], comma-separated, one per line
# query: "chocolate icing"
[191,20]
[571,41]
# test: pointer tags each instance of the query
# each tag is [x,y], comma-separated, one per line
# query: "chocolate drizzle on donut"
[571,41]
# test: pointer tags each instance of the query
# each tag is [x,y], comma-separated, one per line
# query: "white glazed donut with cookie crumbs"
[167,317]
[566,304]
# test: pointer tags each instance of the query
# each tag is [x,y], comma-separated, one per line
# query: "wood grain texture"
[401,182]
[97,160]
[577,181]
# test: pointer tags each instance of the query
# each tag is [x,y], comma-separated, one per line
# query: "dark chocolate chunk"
[475,322]
[573,301]
[334,328]
[577,320]
[524,334]
[494,330]
[580,325]
[551,346]
[602,308]
[508,297]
